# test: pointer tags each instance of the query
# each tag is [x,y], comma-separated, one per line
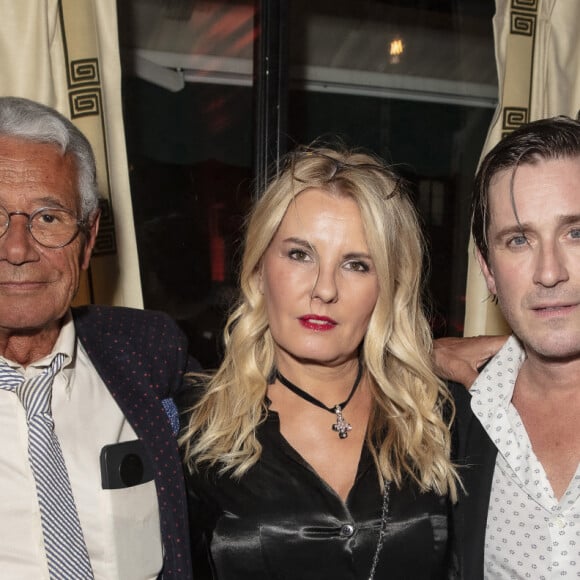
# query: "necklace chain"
[383,528]
[342,427]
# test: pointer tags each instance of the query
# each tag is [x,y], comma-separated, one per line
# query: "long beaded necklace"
[342,427]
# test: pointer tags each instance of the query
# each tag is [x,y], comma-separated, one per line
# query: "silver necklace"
[383,528]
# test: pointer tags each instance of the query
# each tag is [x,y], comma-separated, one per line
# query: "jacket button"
[347,531]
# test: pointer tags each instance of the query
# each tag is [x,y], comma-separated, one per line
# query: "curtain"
[65,54]
[538,64]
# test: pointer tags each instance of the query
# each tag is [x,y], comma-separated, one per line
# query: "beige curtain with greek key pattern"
[538,61]
[65,54]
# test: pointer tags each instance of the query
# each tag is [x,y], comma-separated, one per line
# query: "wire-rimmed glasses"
[50,227]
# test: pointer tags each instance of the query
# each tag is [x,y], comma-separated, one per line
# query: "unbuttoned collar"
[494,387]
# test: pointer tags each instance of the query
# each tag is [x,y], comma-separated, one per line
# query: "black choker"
[341,426]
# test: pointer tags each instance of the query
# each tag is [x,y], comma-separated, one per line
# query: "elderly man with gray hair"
[91,475]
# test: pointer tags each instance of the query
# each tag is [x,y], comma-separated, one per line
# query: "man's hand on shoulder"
[458,359]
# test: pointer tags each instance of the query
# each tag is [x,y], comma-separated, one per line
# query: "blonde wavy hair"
[408,431]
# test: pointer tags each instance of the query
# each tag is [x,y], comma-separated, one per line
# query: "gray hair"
[33,121]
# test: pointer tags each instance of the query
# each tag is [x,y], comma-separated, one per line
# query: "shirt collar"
[494,387]
[65,344]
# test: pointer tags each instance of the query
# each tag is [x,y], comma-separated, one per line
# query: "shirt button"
[560,522]
[347,531]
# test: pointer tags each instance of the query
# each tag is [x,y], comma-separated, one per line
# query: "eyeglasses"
[328,171]
[50,227]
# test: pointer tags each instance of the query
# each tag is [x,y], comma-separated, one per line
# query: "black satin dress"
[281,521]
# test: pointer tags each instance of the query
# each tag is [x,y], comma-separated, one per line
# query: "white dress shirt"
[529,533]
[120,526]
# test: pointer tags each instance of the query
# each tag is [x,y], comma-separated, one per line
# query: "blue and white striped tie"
[64,543]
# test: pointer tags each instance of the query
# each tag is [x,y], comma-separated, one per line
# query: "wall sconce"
[396,49]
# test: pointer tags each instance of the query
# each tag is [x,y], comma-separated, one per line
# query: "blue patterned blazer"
[142,356]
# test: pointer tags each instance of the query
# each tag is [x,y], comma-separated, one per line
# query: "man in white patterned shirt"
[517,430]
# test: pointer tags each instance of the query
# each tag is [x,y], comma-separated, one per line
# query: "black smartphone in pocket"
[125,464]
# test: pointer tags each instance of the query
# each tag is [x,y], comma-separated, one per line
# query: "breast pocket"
[134,538]
[131,513]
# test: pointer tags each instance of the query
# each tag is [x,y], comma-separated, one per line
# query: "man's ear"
[487,272]
[91,238]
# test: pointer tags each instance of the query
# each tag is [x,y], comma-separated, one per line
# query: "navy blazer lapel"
[141,358]
[113,361]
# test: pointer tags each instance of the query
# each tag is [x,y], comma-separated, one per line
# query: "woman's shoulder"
[194,387]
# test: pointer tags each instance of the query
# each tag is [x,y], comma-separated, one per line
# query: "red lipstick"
[318,323]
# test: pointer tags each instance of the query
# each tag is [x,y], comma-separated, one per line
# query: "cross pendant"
[341,426]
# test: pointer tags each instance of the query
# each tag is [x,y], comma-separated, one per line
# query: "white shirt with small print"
[529,533]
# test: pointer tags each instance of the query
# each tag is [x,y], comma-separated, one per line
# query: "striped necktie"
[64,543]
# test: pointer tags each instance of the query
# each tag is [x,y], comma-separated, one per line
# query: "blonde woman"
[320,447]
